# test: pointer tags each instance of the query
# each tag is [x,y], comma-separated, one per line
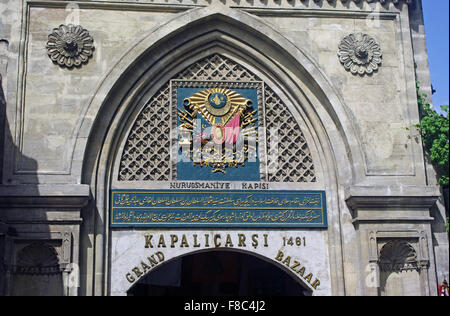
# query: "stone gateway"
[243,148]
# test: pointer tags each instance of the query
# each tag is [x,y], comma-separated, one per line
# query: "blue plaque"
[182,208]
[218,134]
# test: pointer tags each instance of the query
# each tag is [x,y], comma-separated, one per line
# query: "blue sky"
[436,13]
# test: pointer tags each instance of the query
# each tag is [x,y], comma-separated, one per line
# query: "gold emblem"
[233,104]
[230,117]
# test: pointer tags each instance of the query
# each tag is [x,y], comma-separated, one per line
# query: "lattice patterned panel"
[217,68]
[147,151]
[146,156]
[289,158]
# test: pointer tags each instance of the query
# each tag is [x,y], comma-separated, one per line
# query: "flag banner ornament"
[218,134]
[196,208]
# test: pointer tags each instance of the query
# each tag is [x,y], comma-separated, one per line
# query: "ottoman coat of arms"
[218,129]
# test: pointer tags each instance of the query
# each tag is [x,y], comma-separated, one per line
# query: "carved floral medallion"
[70,46]
[360,54]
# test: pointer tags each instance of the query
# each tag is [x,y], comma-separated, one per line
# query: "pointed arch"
[193,35]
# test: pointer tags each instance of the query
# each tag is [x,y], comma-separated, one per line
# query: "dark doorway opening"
[218,273]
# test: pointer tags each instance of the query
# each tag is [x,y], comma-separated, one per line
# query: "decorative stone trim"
[68,197]
[369,1]
[360,54]
[266,3]
[70,46]
[361,199]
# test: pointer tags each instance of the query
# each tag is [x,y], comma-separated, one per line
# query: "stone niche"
[37,270]
[400,268]
[42,266]
[39,239]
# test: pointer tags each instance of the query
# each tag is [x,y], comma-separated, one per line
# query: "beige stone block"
[387,148]
[386,93]
[326,40]
[300,38]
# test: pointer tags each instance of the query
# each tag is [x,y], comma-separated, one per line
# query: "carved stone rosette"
[70,46]
[360,54]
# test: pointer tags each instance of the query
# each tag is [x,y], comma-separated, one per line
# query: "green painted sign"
[182,208]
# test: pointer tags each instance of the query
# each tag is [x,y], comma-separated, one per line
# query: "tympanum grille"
[146,156]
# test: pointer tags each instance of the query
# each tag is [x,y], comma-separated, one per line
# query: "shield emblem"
[218,130]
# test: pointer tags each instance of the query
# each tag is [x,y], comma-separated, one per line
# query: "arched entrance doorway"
[219,273]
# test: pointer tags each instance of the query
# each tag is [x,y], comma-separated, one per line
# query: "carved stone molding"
[396,2]
[69,197]
[70,46]
[386,204]
[262,3]
[371,1]
[360,54]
